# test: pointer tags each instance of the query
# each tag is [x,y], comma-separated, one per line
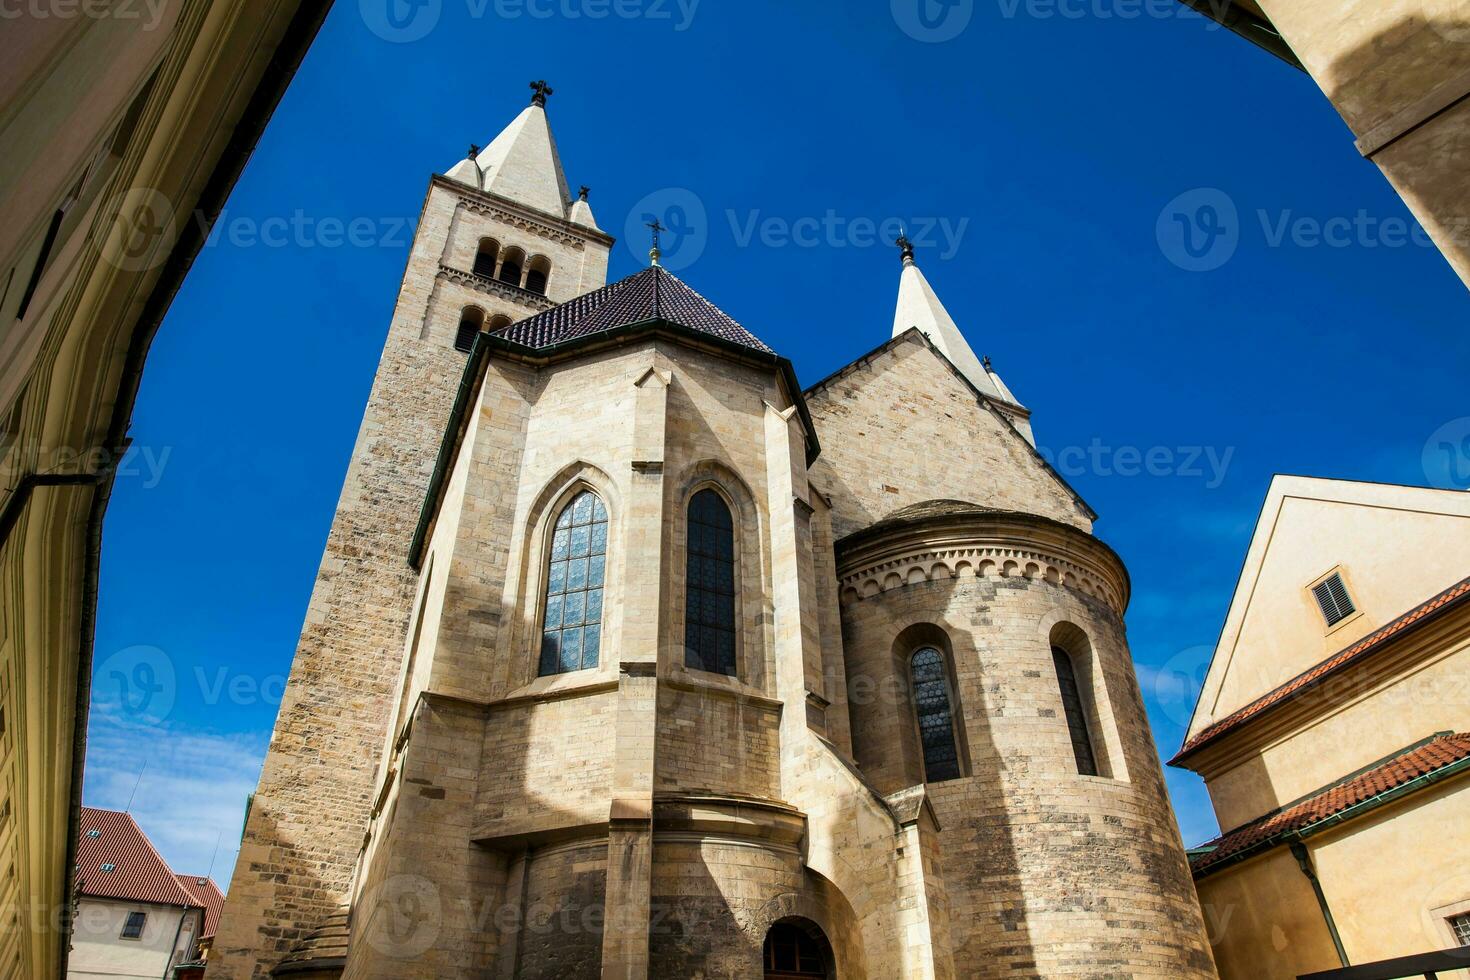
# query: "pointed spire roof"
[580,213]
[919,306]
[652,294]
[521,164]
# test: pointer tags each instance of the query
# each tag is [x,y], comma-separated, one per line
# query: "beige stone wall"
[1028,843]
[1390,67]
[903,428]
[325,766]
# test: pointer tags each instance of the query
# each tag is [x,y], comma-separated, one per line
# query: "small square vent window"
[1461,926]
[1332,596]
[94,833]
[109,867]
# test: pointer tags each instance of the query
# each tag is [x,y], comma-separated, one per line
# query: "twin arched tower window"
[709,599]
[932,709]
[1076,711]
[571,632]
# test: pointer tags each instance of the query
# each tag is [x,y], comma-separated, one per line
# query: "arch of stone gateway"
[632,657]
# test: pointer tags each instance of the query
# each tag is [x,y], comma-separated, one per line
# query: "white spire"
[521,163]
[580,213]
[918,306]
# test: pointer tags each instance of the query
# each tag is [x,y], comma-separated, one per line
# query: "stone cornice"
[548,226]
[988,544]
[495,287]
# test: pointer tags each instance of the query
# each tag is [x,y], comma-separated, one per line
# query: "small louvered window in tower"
[470,323]
[1333,599]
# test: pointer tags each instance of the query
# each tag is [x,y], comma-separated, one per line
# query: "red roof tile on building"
[207,894]
[110,839]
[1372,643]
[1437,754]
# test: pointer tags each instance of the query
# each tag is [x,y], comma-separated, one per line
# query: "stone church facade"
[628,657]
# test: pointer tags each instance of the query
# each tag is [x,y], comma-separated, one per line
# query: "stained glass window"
[1076,712]
[709,603]
[571,633]
[936,720]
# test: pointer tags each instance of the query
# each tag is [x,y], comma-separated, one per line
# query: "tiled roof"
[1417,760]
[207,894]
[139,873]
[1454,595]
[654,293]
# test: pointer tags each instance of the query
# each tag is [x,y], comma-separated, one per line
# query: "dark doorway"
[797,950]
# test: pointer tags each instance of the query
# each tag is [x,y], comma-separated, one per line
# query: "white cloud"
[192,793]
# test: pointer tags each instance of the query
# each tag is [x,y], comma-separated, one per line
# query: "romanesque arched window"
[498,322]
[709,602]
[538,271]
[1075,708]
[510,266]
[571,629]
[471,321]
[934,714]
[485,257]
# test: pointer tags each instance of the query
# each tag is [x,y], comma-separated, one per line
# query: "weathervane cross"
[541,90]
[654,224]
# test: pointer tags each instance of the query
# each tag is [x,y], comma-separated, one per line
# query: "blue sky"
[1162,235]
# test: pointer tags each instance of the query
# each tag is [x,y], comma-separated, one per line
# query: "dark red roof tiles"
[1455,594]
[110,839]
[654,293]
[1408,765]
[207,894]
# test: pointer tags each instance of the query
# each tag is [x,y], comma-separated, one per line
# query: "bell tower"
[499,239]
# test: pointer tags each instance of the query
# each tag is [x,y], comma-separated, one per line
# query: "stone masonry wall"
[903,428]
[310,811]
[1050,873]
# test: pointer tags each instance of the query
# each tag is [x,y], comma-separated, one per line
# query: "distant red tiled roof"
[139,874]
[1408,765]
[1449,598]
[207,894]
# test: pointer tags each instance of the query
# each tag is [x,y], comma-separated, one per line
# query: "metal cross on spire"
[540,91]
[654,252]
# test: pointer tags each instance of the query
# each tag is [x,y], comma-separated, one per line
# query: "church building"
[631,657]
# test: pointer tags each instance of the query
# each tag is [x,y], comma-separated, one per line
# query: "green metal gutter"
[479,356]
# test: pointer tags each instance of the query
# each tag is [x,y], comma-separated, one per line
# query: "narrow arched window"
[709,603]
[571,630]
[1076,711]
[934,714]
[485,257]
[510,266]
[497,323]
[470,323]
[538,271]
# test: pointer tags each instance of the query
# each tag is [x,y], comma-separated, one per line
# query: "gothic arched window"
[571,631]
[471,321]
[1076,711]
[485,258]
[934,714]
[709,602]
